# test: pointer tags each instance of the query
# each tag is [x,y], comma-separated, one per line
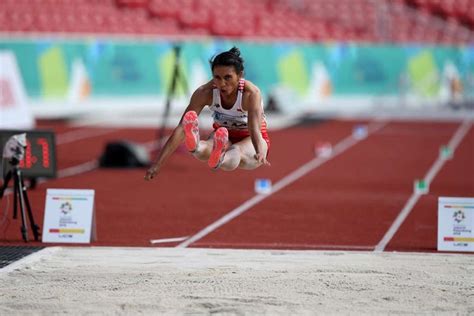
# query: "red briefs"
[236,136]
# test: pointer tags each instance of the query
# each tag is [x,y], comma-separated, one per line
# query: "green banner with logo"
[101,67]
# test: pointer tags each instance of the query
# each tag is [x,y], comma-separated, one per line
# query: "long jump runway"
[352,201]
[345,211]
[349,201]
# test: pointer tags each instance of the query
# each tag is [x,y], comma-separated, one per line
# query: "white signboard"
[455,224]
[69,216]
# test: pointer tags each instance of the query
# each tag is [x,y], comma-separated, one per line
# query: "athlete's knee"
[231,159]
[234,148]
[200,156]
[249,161]
[202,152]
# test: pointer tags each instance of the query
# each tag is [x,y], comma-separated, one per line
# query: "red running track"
[348,202]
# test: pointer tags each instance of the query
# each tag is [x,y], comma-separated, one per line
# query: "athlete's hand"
[262,158]
[151,172]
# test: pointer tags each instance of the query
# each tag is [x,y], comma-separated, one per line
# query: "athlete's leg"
[242,155]
[191,130]
[219,146]
[201,149]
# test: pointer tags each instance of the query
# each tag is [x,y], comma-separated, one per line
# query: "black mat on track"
[10,254]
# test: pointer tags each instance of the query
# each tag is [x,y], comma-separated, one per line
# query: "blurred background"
[370,107]
[102,72]
[80,58]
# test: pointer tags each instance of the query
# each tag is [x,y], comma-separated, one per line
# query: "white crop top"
[235,118]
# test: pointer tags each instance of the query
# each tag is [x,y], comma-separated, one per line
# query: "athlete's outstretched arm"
[197,103]
[255,112]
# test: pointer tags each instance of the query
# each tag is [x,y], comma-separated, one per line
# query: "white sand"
[130,281]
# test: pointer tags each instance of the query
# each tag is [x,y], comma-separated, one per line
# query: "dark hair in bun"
[229,58]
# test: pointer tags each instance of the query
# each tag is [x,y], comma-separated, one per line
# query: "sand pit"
[130,281]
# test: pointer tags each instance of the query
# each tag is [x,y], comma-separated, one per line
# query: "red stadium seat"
[314,20]
[132,3]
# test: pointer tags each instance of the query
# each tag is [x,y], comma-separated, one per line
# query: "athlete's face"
[226,79]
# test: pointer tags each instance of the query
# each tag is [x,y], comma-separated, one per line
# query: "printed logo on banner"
[460,227]
[66,208]
[459,216]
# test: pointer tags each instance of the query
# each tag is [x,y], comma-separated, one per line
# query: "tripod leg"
[183,81]
[19,188]
[15,195]
[35,228]
[169,97]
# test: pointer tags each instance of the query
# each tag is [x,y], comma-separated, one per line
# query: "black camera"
[14,149]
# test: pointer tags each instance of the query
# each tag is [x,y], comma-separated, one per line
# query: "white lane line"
[67,172]
[287,180]
[72,136]
[93,164]
[78,169]
[167,240]
[430,175]
[81,134]
[295,246]
[88,165]
[155,144]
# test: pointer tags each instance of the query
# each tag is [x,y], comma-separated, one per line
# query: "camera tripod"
[176,76]
[20,194]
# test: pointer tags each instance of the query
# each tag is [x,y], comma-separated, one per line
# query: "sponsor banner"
[300,76]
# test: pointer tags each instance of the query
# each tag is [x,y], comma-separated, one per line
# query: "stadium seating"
[460,10]
[425,21]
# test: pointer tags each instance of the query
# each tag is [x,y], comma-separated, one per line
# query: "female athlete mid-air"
[239,138]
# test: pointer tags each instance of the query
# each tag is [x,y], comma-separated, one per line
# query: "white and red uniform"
[235,119]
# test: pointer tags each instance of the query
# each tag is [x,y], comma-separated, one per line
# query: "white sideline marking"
[431,174]
[299,246]
[166,240]
[340,147]
[88,166]
[94,164]
[80,134]
[78,169]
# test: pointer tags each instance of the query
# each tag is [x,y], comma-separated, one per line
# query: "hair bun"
[235,51]
[230,57]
